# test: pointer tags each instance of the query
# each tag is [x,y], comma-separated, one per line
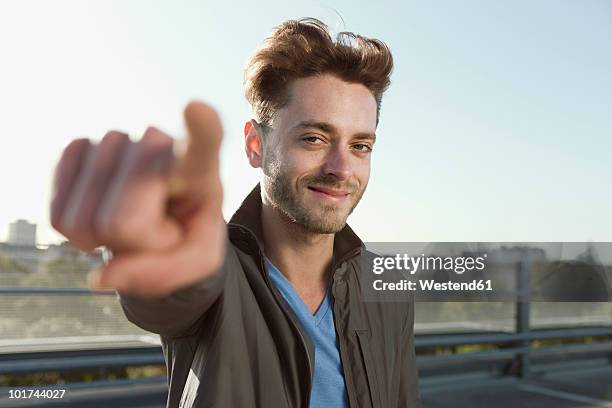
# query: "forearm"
[177,314]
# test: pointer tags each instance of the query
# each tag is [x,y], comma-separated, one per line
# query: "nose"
[338,163]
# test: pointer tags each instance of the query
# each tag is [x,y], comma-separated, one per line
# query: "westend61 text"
[429,285]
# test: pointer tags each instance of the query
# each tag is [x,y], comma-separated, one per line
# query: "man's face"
[316,156]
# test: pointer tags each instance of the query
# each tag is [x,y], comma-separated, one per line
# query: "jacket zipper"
[282,306]
[293,323]
[341,339]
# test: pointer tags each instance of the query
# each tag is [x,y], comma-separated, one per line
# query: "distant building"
[28,256]
[66,251]
[21,247]
[22,233]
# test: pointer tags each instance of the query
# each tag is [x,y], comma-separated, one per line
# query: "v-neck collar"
[323,308]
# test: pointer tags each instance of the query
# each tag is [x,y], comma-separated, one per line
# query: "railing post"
[522,315]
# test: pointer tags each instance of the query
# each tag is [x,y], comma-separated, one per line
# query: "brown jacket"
[233,341]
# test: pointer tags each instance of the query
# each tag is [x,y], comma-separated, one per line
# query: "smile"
[330,194]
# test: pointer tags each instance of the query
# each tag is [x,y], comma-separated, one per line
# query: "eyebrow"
[329,128]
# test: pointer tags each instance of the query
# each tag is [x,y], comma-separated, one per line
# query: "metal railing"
[516,350]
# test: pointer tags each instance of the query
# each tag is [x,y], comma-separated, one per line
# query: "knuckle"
[76,144]
[75,150]
[150,130]
[155,138]
[114,136]
[153,133]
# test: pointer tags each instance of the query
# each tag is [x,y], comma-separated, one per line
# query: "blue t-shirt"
[328,387]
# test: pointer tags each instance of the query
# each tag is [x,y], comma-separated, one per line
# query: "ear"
[253,143]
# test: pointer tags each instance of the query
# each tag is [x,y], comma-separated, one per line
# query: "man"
[266,310]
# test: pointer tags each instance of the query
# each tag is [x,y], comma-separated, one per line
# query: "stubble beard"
[326,219]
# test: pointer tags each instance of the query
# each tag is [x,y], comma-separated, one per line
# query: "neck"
[302,256]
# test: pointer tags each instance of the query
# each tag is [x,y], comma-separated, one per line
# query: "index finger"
[197,170]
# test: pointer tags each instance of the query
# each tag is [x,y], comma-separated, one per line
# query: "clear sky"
[497,126]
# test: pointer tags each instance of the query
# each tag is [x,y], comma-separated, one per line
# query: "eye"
[312,140]
[363,147]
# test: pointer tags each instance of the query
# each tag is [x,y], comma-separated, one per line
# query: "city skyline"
[22,235]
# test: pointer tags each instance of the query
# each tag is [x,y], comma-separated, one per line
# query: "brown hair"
[304,48]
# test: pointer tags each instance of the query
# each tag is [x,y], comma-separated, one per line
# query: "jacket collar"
[248,216]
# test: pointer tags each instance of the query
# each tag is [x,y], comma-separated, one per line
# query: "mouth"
[328,193]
